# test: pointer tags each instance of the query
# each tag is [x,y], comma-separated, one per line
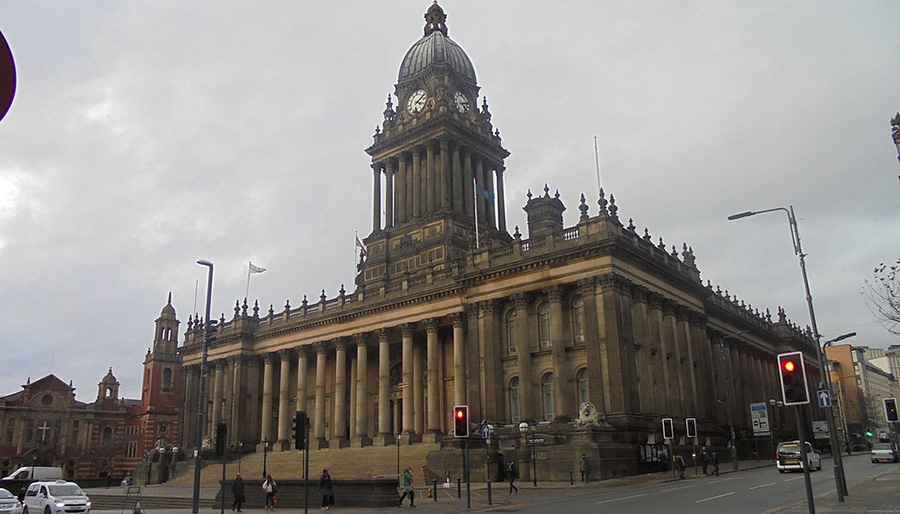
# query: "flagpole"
[247,294]
[475,197]
[597,159]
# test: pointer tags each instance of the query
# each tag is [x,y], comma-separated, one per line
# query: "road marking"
[623,498]
[792,479]
[714,497]
[758,486]
[676,488]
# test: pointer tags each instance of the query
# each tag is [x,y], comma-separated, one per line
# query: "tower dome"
[435,50]
[168,312]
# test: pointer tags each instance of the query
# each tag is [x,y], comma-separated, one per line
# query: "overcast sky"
[147,135]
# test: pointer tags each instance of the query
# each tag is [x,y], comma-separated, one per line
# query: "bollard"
[490,497]
[571,478]
[137,506]
[459,488]
[434,485]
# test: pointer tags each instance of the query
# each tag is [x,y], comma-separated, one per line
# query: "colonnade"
[434,176]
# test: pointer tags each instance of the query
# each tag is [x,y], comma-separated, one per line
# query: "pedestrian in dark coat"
[584,467]
[715,462]
[326,490]
[512,474]
[704,460]
[237,492]
[679,462]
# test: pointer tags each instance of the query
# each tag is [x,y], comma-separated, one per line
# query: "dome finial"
[435,20]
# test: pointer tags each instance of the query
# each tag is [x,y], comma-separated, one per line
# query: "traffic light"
[793,378]
[668,428]
[890,409]
[221,436]
[299,428]
[461,421]
[690,425]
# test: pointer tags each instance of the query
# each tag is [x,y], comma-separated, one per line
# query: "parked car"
[127,481]
[56,497]
[882,452]
[35,473]
[788,457]
[9,504]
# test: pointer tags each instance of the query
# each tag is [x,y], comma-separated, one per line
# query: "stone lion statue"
[589,416]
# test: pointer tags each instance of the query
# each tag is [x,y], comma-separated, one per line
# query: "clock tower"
[438,168]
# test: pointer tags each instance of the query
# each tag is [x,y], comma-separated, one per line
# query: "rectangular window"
[131,450]
[75,426]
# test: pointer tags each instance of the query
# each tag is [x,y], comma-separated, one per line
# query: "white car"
[9,504]
[787,457]
[57,497]
[882,452]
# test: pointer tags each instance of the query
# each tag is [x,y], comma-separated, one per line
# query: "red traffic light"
[788,366]
[460,414]
[461,421]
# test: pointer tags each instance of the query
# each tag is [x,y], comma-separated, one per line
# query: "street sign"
[759,417]
[824,397]
[535,440]
[485,431]
[820,429]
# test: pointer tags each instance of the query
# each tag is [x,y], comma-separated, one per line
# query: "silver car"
[881,452]
[9,503]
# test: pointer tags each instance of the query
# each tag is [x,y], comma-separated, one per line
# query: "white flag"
[256,269]
[362,248]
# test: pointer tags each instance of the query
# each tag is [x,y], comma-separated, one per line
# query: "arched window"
[511,331]
[581,384]
[544,325]
[107,435]
[547,396]
[578,320]
[514,399]
[167,378]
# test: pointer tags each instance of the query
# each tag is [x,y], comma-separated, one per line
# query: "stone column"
[384,436]
[351,385]
[430,182]
[339,429]
[433,423]
[187,373]
[402,190]
[212,401]
[501,201]
[737,382]
[670,341]
[376,198]
[662,381]
[687,359]
[302,377]
[417,183]
[388,193]
[445,175]
[236,427]
[459,363]
[562,388]
[527,409]
[586,287]
[284,404]
[642,349]
[266,415]
[362,392]
[456,179]
[489,185]
[479,180]
[617,345]
[319,418]
[418,385]
[468,188]
[407,364]
[490,340]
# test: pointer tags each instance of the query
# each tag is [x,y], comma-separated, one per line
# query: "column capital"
[340,344]
[457,319]
[284,355]
[431,325]
[321,347]
[639,293]
[489,306]
[586,285]
[520,300]
[554,294]
[383,336]
[405,330]
[301,351]
[361,340]
[268,358]
[233,359]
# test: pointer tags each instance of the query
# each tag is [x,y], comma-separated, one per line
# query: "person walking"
[270,487]
[679,462]
[704,460]
[326,490]
[237,493]
[663,460]
[584,467]
[407,486]
[512,474]
[715,462]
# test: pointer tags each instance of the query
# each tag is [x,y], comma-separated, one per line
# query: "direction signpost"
[824,396]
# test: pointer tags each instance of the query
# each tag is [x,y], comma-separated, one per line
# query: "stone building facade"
[449,308]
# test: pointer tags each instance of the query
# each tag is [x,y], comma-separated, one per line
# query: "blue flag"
[484,193]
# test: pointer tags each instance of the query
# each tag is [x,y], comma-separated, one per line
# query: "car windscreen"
[65,490]
[882,446]
[6,494]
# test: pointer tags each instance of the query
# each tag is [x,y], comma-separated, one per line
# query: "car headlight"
[87,504]
[60,504]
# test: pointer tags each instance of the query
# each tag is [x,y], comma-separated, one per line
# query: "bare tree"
[103,455]
[882,295]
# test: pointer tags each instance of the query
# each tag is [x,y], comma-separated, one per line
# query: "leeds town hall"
[590,333]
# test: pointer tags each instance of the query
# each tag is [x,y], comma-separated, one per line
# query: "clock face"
[462,103]
[416,101]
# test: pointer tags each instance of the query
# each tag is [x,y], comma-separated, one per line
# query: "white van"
[36,473]
[57,497]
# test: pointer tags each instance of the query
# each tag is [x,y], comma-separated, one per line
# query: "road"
[747,492]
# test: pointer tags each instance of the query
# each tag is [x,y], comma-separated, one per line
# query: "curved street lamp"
[524,428]
[840,480]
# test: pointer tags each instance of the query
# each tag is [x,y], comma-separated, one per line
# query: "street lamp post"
[727,402]
[840,480]
[775,403]
[265,456]
[201,401]
[524,429]
[830,386]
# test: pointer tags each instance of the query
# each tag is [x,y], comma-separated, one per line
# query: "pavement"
[878,494]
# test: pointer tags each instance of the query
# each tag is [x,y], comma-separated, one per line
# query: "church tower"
[439,162]
[161,388]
